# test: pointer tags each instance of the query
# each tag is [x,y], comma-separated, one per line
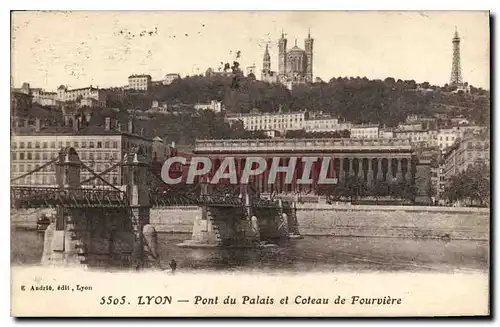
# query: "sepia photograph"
[250,163]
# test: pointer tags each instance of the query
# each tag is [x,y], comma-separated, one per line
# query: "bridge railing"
[31,197]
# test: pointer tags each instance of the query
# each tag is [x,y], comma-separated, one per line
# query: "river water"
[311,254]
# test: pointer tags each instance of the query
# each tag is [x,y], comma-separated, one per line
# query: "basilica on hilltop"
[294,65]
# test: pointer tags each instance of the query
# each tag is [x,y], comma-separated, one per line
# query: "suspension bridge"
[101,224]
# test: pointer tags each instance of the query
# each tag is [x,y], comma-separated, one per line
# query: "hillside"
[356,99]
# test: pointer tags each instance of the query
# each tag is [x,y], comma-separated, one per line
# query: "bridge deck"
[38,197]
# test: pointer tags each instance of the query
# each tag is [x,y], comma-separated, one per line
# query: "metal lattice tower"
[456,70]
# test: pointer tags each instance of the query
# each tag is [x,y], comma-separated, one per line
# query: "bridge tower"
[135,178]
[60,245]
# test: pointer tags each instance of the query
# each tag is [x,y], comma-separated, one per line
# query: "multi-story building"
[386,133]
[39,95]
[413,126]
[426,122]
[140,82]
[418,137]
[99,148]
[466,152]
[365,131]
[446,137]
[76,95]
[271,121]
[325,124]
[44,98]
[169,78]
[89,102]
[213,105]
[438,181]
[372,160]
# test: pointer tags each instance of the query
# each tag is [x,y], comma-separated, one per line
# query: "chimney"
[131,125]
[142,131]
[173,144]
[107,124]
[37,125]
[66,120]
[118,126]
[26,123]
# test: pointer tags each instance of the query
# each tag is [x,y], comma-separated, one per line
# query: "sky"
[102,48]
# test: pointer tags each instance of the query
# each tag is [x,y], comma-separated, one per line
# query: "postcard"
[250,163]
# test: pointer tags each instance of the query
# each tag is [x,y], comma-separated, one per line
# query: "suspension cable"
[99,177]
[34,170]
[101,174]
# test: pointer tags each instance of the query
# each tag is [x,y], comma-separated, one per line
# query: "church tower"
[266,64]
[308,44]
[282,57]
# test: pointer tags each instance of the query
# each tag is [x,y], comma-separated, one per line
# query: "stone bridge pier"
[249,224]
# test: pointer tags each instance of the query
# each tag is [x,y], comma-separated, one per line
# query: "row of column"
[367,169]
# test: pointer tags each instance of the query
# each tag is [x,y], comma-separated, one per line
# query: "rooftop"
[365,126]
[302,145]
[140,75]
[90,129]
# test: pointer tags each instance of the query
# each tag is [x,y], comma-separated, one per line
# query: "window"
[98,156]
[37,156]
[21,168]
[75,144]
[29,145]
[68,144]
[21,145]
[21,156]
[99,145]
[52,145]
[14,156]
[115,180]
[84,155]
[37,145]
[91,156]
[91,144]
[45,145]
[106,144]
[84,144]
[14,145]
[60,144]
[44,156]
[30,156]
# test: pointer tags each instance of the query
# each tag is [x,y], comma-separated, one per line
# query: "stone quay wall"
[394,221]
[340,220]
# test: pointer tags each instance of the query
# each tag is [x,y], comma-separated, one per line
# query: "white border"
[186,5]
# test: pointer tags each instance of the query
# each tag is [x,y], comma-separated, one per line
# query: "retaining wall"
[342,220]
